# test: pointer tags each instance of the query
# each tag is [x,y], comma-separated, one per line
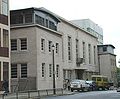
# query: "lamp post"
[54,91]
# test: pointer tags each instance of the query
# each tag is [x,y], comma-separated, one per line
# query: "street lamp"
[53,48]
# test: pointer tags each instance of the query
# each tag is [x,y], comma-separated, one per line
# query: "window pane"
[5,70]
[23,70]
[52,25]
[5,7]
[13,70]
[5,38]
[43,69]
[28,18]
[50,70]
[0,71]
[0,37]
[43,44]
[57,47]
[69,48]
[57,70]
[50,45]
[39,20]
[23,44]
[99,79]
[14,44]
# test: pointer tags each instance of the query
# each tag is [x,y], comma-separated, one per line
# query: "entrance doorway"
[79,74]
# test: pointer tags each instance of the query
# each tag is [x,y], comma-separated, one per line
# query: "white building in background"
[4,42]
[91,27]
[33,32]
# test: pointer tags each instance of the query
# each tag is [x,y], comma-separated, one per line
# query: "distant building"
[107,62]
[4,42]
[91,27]
[33,32]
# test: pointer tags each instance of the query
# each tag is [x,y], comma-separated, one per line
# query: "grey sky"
[106,13]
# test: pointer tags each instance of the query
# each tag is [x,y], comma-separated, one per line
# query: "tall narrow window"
[69,48]
[5,7]
[24,70]
[43,44]
[43,69]
[46,23]
[13,44]
[50,45]
[28,18]
[57,70]
[5,38]
[104,48]
[64,74]
[0,37]
[23,43]
[50,70]
[52,25]
[77,53]
[84,54]
[57,48]
[0,71]
[94,55]
[13,70]
[69,74]
[5,70]
[39,20]
[89,53]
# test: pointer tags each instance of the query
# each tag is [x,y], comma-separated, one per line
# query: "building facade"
[33,32]
[91,27]
[107,62]
[80,52]
[4,42]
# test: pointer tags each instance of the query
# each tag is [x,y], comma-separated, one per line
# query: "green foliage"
[118,74]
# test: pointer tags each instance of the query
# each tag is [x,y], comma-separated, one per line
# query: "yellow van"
[101,81]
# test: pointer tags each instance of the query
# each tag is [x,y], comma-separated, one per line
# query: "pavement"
[67,92]
[32,95]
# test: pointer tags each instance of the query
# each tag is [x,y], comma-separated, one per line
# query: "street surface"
[111,94]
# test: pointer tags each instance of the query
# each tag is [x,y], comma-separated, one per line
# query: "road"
[90,95]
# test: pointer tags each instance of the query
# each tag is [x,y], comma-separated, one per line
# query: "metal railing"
[31,94]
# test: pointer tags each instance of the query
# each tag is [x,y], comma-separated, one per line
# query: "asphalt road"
[90,95]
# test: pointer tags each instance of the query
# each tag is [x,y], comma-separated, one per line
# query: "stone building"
[33,32]
[107,62]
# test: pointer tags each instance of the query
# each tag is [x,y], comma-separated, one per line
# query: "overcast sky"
[105,13]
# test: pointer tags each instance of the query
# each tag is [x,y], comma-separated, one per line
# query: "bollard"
[39,94]
[28,94]
[62,91]
[16,95]
[47,92]
[2,96]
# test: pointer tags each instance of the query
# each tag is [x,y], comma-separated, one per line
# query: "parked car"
[118,86]
[118,89]
[79,85]
[92,85]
